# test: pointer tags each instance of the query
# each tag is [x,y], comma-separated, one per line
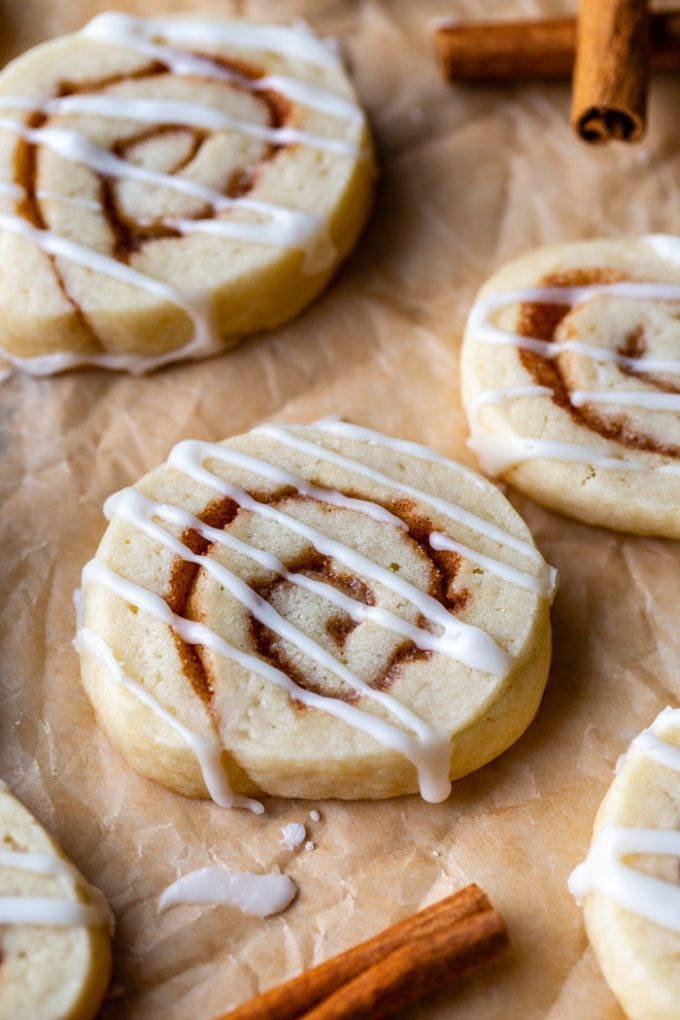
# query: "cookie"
[571,380]
[56,958]
[630,880]
[313,611]
[170,185]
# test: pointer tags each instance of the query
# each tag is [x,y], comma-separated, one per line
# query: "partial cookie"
[631,878]
[571,380]
[314,611]
[56,958]
[170,185]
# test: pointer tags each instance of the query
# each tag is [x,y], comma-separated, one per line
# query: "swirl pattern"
[321,611]
[169,173]
[571,362]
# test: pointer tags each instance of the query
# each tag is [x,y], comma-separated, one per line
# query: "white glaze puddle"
[46,910]
[255,895]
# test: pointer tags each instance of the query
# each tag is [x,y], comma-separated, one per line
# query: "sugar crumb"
[293,835]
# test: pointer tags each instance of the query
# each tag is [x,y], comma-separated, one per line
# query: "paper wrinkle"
[470,178]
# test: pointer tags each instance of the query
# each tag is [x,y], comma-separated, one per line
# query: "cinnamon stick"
[444,924]
[611,70]
[412,971]
[524,50]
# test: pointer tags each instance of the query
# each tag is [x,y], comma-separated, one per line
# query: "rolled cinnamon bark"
[445,938]
[524,50]
[611,70]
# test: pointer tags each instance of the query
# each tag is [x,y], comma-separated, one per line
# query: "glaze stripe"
[358,611]
[283,435]
[132,506]
[178,112]
[208,752]
[430,759]
[603,871]
[466,643]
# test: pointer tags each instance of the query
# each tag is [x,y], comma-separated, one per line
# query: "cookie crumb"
[293,835]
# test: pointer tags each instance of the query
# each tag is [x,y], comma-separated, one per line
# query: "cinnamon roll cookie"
[169,185]
[54,945]
[571,380]
[630,881]
[313,611]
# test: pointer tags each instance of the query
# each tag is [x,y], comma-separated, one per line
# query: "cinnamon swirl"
[313,611]
[169,185]
[571,380]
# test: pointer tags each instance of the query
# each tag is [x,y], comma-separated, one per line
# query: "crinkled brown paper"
[470,177]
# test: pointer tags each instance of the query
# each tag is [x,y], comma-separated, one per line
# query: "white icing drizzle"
[336,427]
[132,506]
[298,43]
[428,750]
[276,226]
[653,744]
[652,898]
[603,871]
[507,393]
[357,611]
[285,227]
[430,758]
[208,751]
[628,398]
[140,34]
[203,342]
[466,643]
[255,895]
[46,910]
[578,398]
[549,349]
[169,111]
[545,585]
[283,435]
[498,452]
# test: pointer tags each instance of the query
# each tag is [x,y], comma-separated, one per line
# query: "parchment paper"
[470,178]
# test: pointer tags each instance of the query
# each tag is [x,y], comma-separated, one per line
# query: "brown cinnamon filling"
[268,645]
[130,237]
[540,322]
